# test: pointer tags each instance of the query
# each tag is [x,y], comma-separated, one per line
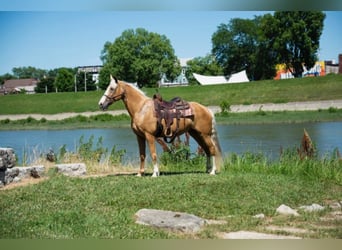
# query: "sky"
[54,39]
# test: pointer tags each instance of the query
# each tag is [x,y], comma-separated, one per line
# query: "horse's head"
[112,94]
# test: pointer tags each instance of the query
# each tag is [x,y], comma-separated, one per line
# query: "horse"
[201,125]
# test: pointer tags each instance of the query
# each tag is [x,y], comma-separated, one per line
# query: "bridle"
[116,97]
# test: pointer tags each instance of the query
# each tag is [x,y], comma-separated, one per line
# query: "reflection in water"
[266,138]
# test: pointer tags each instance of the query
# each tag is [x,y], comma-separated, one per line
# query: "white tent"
[211,80]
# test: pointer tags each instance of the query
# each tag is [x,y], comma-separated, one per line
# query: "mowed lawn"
[270,91]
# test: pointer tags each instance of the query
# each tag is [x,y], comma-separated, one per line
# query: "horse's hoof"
[212,173]
[138,175]
[155,174]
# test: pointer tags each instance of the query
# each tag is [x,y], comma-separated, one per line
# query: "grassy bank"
[270,91]
[104,207]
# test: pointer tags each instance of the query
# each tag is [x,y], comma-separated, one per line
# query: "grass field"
[104,207]
[270,91]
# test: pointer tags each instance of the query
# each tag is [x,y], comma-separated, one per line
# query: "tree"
[202,65]
[64,81]
[29,72]
[81,82]
[139,56]
[45,85]
[296,38]
[240,45]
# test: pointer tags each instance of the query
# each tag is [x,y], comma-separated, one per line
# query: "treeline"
[56,80]
[256,45]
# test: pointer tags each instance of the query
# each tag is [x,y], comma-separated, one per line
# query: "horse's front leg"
[152,146]
[142,154]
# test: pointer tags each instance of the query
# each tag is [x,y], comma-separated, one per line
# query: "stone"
[16,174]
[312,208]
[253,235]
[72,169]
[286,210]
[259,216]
[336,205]
[174,221]
[7,158]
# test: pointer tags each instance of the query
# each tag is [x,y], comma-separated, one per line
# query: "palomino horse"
[201,125]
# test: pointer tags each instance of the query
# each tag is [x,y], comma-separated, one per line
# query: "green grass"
[270,91]
[104,207]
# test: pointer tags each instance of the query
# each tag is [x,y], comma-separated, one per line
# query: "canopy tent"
[211,80]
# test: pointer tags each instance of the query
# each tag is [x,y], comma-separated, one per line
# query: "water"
[267,138]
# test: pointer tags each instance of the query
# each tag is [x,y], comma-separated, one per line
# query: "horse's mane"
[134,87]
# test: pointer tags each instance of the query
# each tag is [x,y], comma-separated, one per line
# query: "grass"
[270,91]
[104,207]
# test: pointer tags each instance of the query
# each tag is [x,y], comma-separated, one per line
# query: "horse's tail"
[214,137]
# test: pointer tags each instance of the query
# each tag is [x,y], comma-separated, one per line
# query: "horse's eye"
[111,89]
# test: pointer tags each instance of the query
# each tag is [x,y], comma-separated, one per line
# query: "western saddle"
[168,111]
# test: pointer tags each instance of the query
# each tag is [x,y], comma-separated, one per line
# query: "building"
[321,68]
[317,70]
[93,70]
[18,85]
[181,79]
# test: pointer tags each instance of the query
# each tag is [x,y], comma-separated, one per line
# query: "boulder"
[7,158]
[16,174]
[72,169]
[174,221]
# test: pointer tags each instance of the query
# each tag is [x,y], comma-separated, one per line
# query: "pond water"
[266,138]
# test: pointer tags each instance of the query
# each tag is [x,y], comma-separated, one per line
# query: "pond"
[266,138]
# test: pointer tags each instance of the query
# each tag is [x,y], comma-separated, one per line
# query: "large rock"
[72,169]
[7,158]
[174,221]
[16,174]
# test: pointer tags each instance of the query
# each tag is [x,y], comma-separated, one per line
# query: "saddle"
[168,111]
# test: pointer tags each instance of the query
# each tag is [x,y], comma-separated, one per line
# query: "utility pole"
[85,82]
[75,84]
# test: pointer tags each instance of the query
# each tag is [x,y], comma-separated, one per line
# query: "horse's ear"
[113,78]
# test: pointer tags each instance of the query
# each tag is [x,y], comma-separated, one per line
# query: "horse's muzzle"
[103,107]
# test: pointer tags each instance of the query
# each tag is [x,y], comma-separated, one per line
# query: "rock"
[283,209]
[312,208]
[336,205]
[72,169]
[174,221]
[253,235]
[16,174]
[259,216]
[7,158]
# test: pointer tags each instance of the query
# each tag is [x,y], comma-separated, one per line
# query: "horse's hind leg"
[209,148]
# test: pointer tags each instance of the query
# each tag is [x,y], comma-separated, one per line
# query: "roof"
[14,84]
[211,80]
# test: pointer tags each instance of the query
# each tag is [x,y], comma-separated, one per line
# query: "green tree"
[80,81]
[64,81]
[45,85]
[202,65]
[139,56]
[234,45]
[296,37]
[29,72]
